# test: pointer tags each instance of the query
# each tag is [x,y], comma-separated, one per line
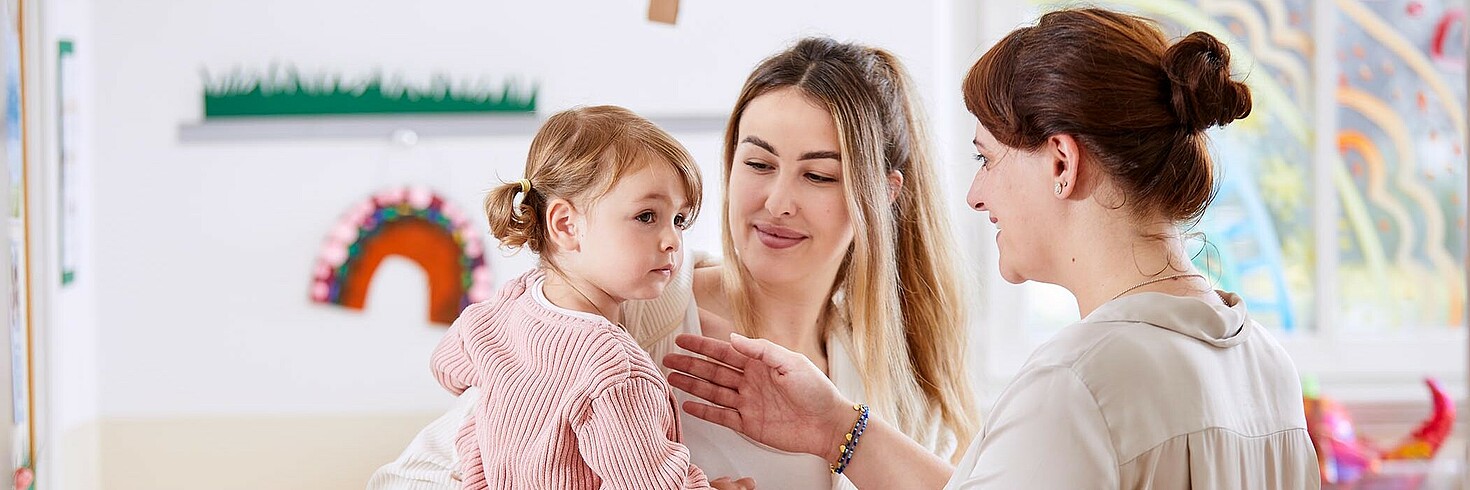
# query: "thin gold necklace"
[1160,279]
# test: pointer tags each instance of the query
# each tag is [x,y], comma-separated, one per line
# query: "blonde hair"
[896,289]
[578,155]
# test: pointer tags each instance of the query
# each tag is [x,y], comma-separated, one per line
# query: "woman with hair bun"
[1092,161]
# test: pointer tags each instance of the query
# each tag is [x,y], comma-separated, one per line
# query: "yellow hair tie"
[518,200]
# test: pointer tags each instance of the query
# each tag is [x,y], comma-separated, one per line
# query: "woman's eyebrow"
[818,155]
[757,141]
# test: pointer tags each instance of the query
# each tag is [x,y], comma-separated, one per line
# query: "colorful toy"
[1344,457]
[1425,441]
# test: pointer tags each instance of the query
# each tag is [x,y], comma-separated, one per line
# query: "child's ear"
[562,220]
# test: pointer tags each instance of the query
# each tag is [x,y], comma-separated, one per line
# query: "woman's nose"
[973,197]
[781,200]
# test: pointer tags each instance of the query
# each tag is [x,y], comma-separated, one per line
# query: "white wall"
[68,361]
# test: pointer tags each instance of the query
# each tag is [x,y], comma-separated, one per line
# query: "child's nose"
[672,235]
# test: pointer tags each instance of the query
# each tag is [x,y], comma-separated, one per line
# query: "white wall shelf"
[407,128]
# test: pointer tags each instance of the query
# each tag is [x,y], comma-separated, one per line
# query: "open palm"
[772,395]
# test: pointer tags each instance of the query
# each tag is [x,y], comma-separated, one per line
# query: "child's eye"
[645,217]
[819,178]
[681,221]
[984,161]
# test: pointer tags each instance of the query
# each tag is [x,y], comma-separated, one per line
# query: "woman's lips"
[778,237]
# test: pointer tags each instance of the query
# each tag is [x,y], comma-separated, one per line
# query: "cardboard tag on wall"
[664,11]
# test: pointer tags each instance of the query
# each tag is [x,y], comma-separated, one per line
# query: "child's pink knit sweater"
[567,402]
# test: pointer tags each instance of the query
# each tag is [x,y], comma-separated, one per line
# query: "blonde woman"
[835,247]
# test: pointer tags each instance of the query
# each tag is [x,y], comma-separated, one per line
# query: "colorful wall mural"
[1398,179]
[410,222]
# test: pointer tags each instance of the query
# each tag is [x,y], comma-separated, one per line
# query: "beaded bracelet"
[848,447]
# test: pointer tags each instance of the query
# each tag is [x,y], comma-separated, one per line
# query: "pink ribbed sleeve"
[626,439]
[451,362]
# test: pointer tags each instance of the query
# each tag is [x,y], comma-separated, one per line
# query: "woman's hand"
[772,395]
[725,483]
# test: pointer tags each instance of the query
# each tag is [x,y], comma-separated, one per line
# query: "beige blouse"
[1150,391]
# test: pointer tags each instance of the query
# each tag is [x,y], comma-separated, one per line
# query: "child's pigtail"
[514,215]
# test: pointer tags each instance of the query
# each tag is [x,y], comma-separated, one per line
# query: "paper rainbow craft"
[414,223]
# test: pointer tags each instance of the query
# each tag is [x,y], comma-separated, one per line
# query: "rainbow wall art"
[414,223]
